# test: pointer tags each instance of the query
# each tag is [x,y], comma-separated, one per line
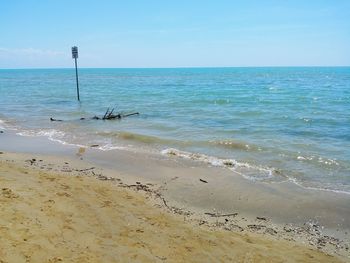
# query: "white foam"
[4,125]
[327,161]
[109,147]
[52,135]
[58,136]
[296,182]
[47,133]
[319,159]
[237,167]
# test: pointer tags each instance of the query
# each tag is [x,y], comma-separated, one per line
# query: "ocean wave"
[51,134]
[130,136]
[300,184]
[321,160]
[233,144]
[248,171]
[147,139]
[48,133]
[109,147]
[7,125]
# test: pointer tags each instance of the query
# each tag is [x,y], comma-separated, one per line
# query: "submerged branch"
[107,116]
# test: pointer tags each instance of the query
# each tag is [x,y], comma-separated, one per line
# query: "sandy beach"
[56,212]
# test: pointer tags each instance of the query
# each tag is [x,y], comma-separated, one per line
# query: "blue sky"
[39,34]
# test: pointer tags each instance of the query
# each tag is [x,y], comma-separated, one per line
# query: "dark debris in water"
[109,115]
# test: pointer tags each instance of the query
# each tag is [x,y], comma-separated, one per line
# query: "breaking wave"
[248,171]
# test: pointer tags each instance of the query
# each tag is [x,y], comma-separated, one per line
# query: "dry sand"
[51,217]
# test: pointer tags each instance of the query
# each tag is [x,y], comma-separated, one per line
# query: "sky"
[155,33]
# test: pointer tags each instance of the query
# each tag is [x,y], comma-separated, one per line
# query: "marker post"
[75,56]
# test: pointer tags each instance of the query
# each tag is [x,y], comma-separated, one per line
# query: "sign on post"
[74,52]
[75,56]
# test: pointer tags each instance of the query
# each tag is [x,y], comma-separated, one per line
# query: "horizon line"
[184,67]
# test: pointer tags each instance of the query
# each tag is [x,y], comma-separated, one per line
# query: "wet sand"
[63,210]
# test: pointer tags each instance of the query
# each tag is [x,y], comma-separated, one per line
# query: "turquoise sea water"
[269,124]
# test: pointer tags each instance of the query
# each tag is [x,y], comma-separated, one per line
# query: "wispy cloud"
[30,52]
[32,57]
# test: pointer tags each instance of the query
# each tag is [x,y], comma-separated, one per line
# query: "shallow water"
[267,124]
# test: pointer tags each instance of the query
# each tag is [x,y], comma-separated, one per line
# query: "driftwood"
[52,119]
[220,215]
[130,114]
[109,115]
[82,170]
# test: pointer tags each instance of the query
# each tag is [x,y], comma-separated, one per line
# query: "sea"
[267,124]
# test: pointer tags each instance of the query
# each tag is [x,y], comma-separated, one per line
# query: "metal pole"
[75,56]
[76,76]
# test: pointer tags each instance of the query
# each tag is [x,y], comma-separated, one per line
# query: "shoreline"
[273,174]
[188,189]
